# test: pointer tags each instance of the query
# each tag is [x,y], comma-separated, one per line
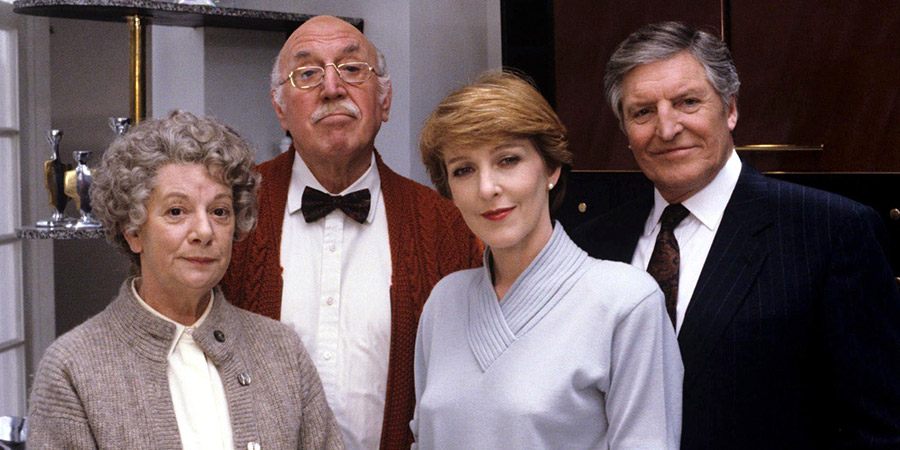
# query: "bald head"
[324,28]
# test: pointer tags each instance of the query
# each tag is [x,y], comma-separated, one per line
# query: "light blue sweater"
[579,354]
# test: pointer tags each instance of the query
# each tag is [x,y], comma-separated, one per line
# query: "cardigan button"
[253,446]
[220,336]
[244,379]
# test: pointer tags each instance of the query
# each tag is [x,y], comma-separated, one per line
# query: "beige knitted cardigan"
[104,384]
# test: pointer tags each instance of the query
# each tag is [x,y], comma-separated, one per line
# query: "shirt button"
[332,248]
[330,301]
[327,356]
[220,336]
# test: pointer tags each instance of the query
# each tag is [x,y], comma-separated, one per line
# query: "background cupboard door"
[816,72]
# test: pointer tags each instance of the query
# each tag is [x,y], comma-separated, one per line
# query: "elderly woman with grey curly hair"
[170,363]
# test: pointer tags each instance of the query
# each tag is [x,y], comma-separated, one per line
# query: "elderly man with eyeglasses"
[346,251]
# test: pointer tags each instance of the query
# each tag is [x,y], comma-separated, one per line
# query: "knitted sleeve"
[460,248]
[56,418]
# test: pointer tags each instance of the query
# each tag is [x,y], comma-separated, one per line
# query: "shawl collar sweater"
[428,240]
[104,384]
[495,324]
[578,354]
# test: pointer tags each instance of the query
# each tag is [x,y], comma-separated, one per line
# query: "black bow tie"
[317,204]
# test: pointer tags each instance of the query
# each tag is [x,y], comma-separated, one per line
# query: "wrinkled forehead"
[326,39]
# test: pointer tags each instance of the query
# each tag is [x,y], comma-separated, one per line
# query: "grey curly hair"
[125,179]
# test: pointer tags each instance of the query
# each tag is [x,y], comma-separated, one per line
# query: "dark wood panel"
[586,33]
[527,39]
[817,72]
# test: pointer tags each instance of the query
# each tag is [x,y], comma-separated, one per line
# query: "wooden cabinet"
[822,73]
[813,73]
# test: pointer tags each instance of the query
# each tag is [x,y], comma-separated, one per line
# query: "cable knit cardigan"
[104,384]
[428,240]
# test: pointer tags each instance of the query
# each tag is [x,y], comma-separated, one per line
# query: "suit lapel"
[734,261]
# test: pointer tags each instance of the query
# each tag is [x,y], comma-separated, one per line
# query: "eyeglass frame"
[337,69]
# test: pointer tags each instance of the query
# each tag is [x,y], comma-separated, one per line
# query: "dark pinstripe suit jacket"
[792,335]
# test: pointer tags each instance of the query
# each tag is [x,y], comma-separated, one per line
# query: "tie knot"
[673,215]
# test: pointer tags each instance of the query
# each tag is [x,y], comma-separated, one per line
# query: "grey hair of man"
[660,41]
[124,181]
[278,82]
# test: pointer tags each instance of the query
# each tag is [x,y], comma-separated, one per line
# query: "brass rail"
[137,72]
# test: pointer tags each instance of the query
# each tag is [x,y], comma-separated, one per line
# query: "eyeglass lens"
[309,76]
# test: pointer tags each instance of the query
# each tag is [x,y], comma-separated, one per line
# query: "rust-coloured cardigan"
[428,240]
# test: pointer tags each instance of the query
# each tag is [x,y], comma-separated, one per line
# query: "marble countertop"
[167,13]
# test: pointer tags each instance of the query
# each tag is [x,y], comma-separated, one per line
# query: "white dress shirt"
[336,295]
[694,234]
[198,394]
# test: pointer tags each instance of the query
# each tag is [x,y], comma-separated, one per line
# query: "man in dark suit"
[787,314]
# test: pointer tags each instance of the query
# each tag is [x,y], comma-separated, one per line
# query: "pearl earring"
[550,186]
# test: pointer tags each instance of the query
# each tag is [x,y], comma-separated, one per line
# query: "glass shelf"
[60,233]
[166,13]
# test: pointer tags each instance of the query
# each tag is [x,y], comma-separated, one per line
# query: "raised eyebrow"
[301,55]
[350,49]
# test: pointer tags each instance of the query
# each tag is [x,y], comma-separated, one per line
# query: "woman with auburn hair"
[543,347]
[170,363]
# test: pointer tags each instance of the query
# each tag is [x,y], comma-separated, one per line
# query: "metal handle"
[780,148]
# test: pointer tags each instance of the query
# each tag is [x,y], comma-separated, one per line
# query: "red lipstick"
[497,214]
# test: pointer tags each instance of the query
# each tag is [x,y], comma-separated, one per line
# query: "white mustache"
[344,106]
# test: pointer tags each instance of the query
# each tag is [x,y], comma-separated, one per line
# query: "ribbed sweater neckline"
[494,325]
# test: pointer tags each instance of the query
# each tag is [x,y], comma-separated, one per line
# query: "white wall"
[238,64]
[37,255]
[179,78]
[219,72]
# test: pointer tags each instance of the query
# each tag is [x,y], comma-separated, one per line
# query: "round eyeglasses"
[311,76]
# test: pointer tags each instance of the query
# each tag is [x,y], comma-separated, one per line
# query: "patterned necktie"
[665,259]
[317,204]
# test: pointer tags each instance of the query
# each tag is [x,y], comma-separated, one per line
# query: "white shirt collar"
[301,177]
[708,204]
[179,328]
